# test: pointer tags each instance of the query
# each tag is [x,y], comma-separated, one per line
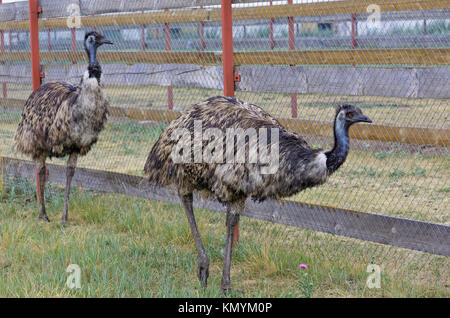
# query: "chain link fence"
[391,64]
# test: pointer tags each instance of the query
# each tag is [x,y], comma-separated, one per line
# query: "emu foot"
[203,270]
[44,217]
[228,291]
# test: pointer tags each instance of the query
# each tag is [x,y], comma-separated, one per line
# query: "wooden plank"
[416,235]
[428,56]
[430,82]
[190,15]
[432,56]
[12,103]
[352,81]
[198,15]
[411,135]
[154,57]
[331,8]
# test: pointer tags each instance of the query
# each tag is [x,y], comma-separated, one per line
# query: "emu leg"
[70,171]
[203,259]
[232,222]
[40,165]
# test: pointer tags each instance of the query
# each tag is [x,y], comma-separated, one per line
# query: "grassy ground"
[132,247]
[128,247]
[404,112]
[392,180]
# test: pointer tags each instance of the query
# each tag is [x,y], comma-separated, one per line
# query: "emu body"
[299,166]
[61,119]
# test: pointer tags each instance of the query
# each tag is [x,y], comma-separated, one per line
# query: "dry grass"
[392,182]
[128,247]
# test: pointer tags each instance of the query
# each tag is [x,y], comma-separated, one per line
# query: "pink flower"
[303,266]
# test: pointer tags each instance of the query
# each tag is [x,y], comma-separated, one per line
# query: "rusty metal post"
[354,31]
[74,39]
[34,40]
[36,74]
[144,44]
[49,45]
[228,66]
[2,39]
[202,34]
[272,40]
[227,48]
[294,104]
[169,48]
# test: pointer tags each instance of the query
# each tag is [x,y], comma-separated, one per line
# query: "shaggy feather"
[299,167]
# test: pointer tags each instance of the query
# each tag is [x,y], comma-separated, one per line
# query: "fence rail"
[416,235]
[14,16]
[411,135]
[429,82]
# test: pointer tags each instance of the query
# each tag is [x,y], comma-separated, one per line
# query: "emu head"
[347,115]
[92,41]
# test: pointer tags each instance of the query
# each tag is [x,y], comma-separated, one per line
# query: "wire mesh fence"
[295,60]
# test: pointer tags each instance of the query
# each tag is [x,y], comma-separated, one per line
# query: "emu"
[299,166]
[61,119]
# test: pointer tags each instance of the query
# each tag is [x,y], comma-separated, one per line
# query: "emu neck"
[92,54]
[337,156]
[94,67]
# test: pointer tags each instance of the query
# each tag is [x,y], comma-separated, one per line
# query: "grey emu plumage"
[61,119]
[299,166]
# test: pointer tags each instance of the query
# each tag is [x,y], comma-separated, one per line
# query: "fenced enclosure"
[297,60]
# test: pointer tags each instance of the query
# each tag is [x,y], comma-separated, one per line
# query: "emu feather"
[61,119]
[299,166]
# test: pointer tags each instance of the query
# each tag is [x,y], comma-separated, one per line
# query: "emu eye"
[350,115]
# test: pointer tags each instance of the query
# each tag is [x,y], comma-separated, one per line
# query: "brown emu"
[171,161]
[61,119]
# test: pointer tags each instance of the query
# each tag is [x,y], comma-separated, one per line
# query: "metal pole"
[48,40]
[294,104]
[228,66]
[227,48]
[36,74]
[144,45]
[272,40]
[2,39]
[34,40]
[202,34]
[168,48]
[354,31]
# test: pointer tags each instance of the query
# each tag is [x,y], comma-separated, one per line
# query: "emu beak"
[363,118]
[105,41]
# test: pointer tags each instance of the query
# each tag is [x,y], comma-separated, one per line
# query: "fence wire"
[361,59]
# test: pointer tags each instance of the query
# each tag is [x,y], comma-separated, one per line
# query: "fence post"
[202,34]
[49,45]
[2,39]
[34,40]
[36,74]
[168,48]
[228,65]
[144,44]
[354,31]
[272,40]
[294,105]
[227,48]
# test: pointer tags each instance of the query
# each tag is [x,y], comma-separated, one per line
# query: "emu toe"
[203,271]
[228,291]
[44,217]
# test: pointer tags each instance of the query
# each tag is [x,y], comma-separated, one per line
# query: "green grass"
[392,181]
[128,247]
